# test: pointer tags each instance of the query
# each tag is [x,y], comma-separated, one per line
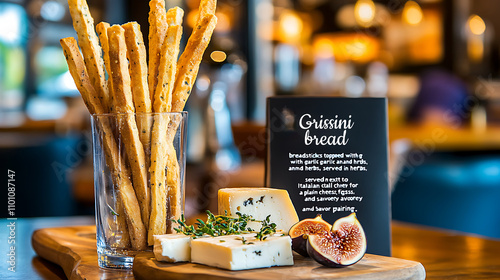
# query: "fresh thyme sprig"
[267,229]
[216,225]
[220,225]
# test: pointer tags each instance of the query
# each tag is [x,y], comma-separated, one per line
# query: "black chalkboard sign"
[331,155]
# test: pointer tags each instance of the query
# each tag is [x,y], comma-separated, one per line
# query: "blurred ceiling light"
[218,56]
[52,11]
[346,20]
[290,26]
[412,13]
[364,12]
[476,25]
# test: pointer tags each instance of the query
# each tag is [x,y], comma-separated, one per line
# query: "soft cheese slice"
[172,248]
[229,252]
[259,203]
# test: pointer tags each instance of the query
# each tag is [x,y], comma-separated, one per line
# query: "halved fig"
[302,229]
[344,245]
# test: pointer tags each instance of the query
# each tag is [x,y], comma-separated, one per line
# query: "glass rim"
[150,113]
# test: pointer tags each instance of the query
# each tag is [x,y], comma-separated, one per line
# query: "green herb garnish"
[267,229]
[220,225]
[216,225]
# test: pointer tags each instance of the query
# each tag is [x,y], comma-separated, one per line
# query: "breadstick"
[174,16]
[162,104]
[123,103]
[121,175]
[158,218]
[167,69]
[78,71]
[157,30]
[102,31]
[119,171]
[186,75]
[138,68]
[207,7]
[121,220]
[87,39]
[189,63]
[175,195]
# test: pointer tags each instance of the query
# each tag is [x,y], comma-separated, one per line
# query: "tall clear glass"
[139,170]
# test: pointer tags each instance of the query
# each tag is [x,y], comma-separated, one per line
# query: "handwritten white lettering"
[307,122]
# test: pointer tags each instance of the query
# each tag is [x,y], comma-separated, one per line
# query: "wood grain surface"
[447,254]
[74,249]
[370,267]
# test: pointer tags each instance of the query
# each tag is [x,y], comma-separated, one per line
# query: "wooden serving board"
[74,249]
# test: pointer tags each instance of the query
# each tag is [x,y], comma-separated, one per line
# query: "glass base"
[110,259]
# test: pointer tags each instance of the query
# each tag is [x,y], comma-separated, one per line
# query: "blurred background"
[437,62]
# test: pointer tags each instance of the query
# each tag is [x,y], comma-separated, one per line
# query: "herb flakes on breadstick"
[174,16]
[157,30]
[159,155]
[88,42]
[123,103]
[207,7]
[138,68]
[168,68]
[174,189]
[136,54]
[126,203]
[157,222]
[190,60]
[102,32]
[79,73]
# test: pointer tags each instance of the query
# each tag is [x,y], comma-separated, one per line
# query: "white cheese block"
[229,252]
[259,203]
[172,248]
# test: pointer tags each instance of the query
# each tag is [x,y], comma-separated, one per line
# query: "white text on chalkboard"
[307,122]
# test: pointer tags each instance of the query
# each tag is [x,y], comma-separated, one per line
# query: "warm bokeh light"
[290,27]
[364,12]
[475,38]
[218,56]
[323,48]
[476,25]
[347,47]
[223,20]
[412,13]
[191,18]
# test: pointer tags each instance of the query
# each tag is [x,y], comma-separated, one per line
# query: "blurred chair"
[452,190]
[456,190]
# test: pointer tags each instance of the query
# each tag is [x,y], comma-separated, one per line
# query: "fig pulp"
[302,229]
[344,245]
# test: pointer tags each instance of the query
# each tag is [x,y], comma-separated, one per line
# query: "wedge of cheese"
[172,248]
[230,252]
[259,203]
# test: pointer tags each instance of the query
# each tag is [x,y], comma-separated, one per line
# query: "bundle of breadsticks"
[148,182]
